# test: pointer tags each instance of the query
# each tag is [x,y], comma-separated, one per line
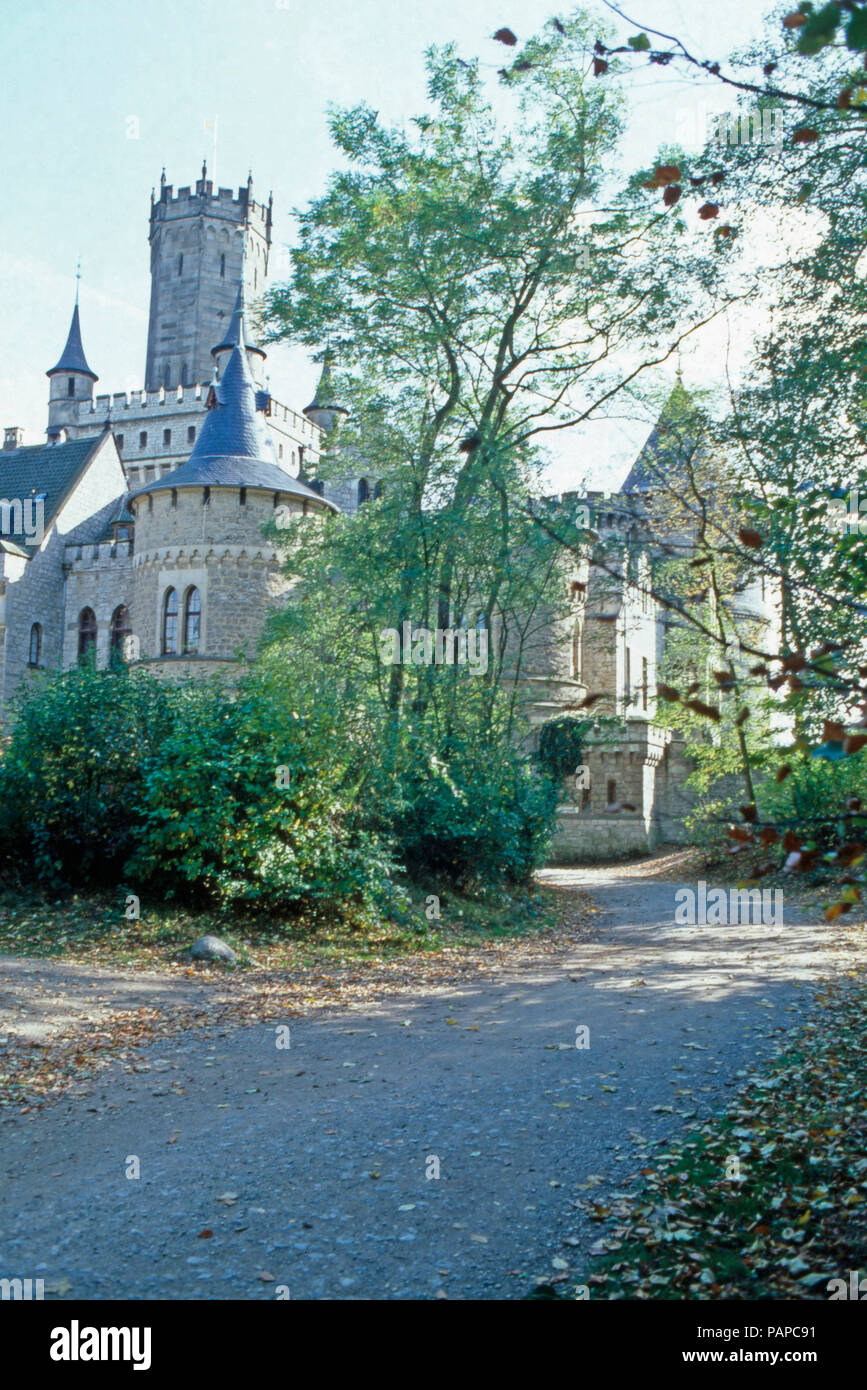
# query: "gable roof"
[49,471]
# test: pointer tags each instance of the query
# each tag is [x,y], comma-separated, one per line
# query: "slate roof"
[72,359]
[47,470]
[237,327]
[325,395]
[668,444]
[234,448]
[119,515]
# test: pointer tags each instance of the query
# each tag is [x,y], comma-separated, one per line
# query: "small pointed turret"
[323,410]
[236,333]
[71,381]
[72,359]
[234,448]
[661,461]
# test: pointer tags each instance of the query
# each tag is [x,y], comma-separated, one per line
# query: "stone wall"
[219,548]
[38,593]
[98,576]
[622,771]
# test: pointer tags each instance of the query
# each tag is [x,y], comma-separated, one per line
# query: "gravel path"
[309,1164]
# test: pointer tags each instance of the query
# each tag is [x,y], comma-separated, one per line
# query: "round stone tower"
[204,574]
[71,382]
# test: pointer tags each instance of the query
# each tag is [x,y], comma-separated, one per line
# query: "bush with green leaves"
[276,790]
[193,790]
[819,798]
[71,774]
[561,745]
[477,813]
[247,802]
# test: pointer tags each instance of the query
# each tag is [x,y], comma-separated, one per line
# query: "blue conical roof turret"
[72,359]
[234,448]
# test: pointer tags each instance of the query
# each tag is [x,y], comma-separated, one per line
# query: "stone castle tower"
[71,381]
[203,246]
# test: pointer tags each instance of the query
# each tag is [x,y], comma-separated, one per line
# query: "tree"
[478,279]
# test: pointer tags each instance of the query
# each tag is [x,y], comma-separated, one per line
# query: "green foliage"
[243,804]
[813,798]
[71,775]
[483,817]
[175,789]
[561,743]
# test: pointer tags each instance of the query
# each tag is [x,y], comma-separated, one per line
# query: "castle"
[136,530]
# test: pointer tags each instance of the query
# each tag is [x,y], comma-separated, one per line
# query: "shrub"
[71,775]
[484,816]
[813,797]
[561,744]
[243,803]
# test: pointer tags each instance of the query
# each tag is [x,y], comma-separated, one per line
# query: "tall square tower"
[203,245]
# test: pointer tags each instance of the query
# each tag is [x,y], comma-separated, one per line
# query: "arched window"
[86,634]
[120,630]
[363,491]
[192,621]
[170,623]
[35,644]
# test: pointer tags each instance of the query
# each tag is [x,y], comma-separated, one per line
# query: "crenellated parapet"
[81,558]
[189,201]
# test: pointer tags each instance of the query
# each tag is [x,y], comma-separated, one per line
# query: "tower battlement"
[190,201]
[205,246]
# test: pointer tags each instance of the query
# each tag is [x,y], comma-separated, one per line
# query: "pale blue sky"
[76,71]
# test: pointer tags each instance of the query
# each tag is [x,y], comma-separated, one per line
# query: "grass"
[93,929]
